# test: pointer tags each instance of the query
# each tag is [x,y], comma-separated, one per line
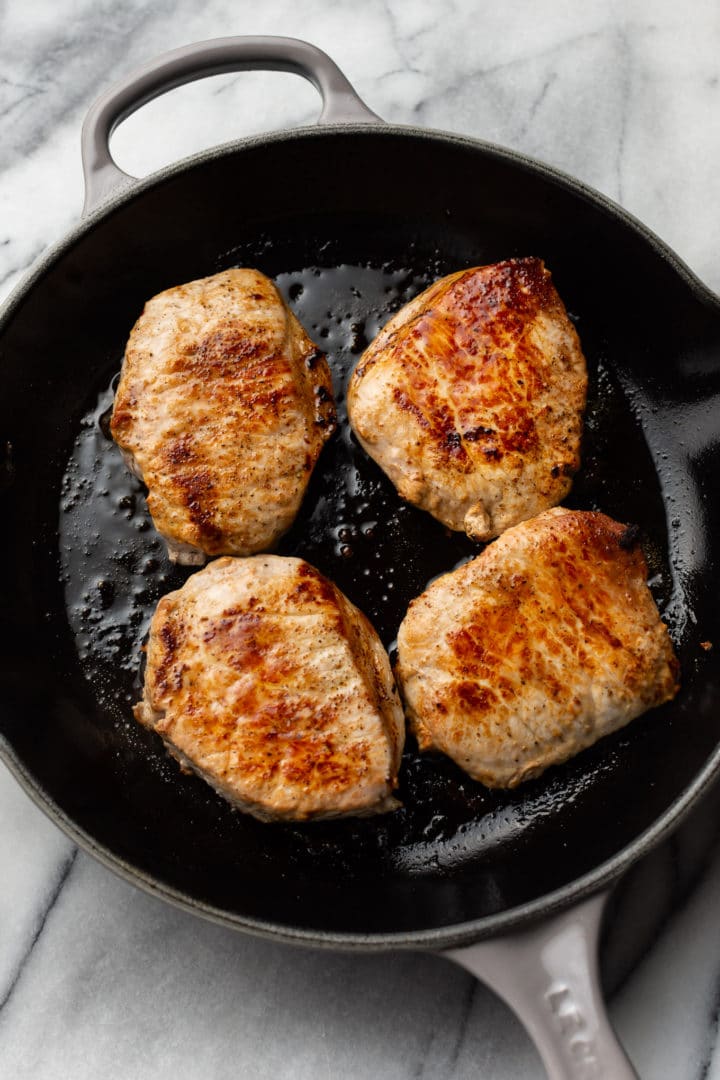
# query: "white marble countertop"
[100,980]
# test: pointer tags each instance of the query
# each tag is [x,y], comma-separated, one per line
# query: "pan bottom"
[381,552]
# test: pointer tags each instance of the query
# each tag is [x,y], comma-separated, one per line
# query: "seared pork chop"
[537,648]
[223,407]
[263,678]
[472,396]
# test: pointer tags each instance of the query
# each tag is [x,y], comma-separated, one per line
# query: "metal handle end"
[549,976]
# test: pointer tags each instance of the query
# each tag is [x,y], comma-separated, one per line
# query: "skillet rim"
[454,935]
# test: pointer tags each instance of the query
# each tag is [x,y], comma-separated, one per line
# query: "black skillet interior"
[382,214]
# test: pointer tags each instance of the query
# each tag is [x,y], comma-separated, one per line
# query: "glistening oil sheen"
[381,552]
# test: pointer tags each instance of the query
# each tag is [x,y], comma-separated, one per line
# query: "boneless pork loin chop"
[472,397]
[547,641]
[223,407]
[265,680]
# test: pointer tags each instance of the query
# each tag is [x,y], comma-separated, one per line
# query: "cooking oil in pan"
[379,550]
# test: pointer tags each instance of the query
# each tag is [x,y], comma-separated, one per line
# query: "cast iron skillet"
[353,217]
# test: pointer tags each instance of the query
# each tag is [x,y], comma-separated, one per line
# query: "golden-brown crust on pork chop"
[268,682]
[223,407]
[472,396]
[541,645]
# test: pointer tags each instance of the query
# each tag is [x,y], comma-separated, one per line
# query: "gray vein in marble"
[64,871]
[6,107]
[464,1014]
[535,105]
[711,1037]
[401,41]
[91,55]
[473,82]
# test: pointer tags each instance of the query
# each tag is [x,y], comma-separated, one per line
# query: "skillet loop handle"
[548,975]
[341,103]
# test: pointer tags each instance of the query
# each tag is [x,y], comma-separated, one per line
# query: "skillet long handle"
[341,104]
[548,975]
